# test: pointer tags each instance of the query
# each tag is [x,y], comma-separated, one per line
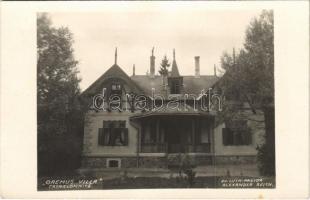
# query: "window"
[175,85]
[116,87]
[113,163]
[175,89]
[236,133]
[115,96]
[205,133]
[113,133]
[149,132]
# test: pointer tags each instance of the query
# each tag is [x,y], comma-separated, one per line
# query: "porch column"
[193,135]
[157,136]
[157,131]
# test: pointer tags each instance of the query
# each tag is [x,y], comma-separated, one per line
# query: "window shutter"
[126,136]
[228,136]
[100,137]
[106,136]
[225,136]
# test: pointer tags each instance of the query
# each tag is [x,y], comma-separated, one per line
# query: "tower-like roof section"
[174,68]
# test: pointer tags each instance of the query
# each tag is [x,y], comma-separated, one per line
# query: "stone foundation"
[94,162]
[101,162]
[126,162]
[203,160]
[153,162]
[163,162]
[235,160]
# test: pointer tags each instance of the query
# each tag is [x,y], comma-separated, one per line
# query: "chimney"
[133,70]
[197,67]
[152,64]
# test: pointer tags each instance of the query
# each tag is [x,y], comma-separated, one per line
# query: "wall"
[94,121]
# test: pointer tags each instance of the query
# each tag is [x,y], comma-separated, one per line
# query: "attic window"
[116,87]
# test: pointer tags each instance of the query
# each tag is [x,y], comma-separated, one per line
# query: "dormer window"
[175,89]
[175,84]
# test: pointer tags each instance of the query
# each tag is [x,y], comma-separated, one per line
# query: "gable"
[113,73]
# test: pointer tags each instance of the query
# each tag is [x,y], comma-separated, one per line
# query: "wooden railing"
[199,148]
[175,148]
[154,148]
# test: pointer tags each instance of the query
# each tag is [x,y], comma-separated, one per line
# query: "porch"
[172,134]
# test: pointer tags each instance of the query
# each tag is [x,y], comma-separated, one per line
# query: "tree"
[249,76]
[164,66]
[59,112]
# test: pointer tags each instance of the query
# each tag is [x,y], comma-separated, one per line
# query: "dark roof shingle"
[192,85]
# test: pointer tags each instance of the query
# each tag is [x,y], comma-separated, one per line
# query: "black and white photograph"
[173,98]
[154,99]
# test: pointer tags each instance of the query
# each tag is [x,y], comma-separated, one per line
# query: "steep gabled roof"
[174,70]
[113,72]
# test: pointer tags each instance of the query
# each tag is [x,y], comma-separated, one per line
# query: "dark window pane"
[239,133]
[238,139]
[116,86]
[107,136]
[228,136]
[122,124]
[113,163]
[125,136]
[247,137]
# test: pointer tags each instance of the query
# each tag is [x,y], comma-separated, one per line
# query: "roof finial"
[153,51]
[115,61]
[133,70]
[173,54]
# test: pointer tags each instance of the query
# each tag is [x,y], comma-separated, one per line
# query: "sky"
[135,31]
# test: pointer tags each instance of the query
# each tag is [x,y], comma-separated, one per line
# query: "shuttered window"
[113,133]
[236,133]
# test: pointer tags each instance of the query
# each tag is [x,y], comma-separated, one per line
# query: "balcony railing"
[200,148]
[175,148]
[154,148]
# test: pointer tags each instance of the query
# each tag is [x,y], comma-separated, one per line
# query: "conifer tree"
[164,65]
